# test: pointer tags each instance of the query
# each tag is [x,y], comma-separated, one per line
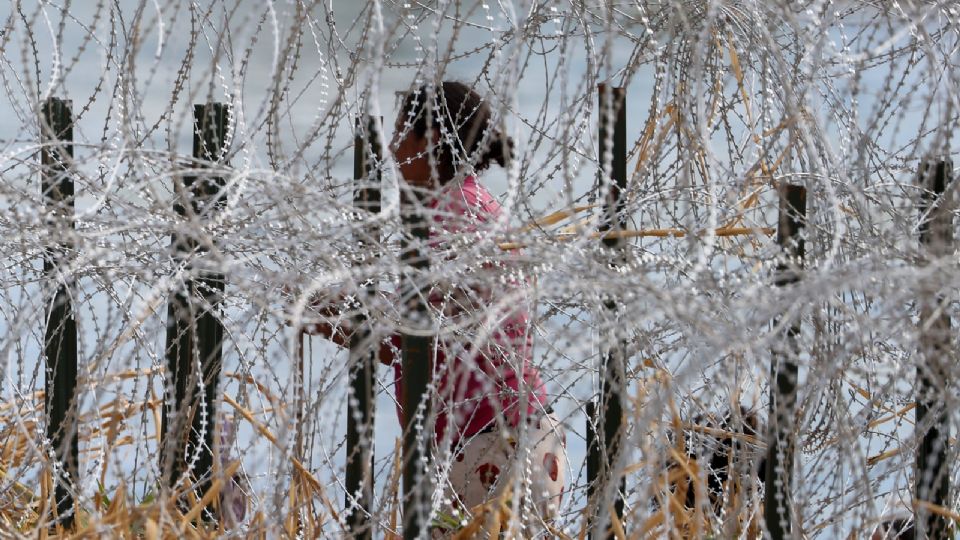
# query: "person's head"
[456,125]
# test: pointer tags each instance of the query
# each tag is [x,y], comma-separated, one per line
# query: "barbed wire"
[727,102]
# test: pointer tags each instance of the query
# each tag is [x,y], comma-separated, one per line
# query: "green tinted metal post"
[417,369]
[194,330]
[783,372]
[606,439]
[60,336]
[932,473]
[367,152]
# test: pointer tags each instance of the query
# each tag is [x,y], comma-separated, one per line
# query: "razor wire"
[727,101]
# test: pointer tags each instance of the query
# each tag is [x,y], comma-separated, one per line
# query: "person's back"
[485,370]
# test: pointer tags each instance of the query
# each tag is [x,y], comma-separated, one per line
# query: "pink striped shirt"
[482,380]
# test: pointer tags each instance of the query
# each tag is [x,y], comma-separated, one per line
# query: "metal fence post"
[932,474]
[605,426]
[367,154]
[194,330]
[60,335]
[784,370]
[417,366]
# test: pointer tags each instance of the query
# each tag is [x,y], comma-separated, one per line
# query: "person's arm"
[386,354]
[341,331]
[318,318]
[340,334]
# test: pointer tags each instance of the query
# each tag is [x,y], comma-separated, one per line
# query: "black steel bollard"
[417,366]
[194,331]
[605,441]
[60,336]
[783,372]
[367,154]
[932,475]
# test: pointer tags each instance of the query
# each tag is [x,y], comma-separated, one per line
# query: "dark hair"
[465,123]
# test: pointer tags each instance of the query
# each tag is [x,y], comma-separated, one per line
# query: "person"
[488,391]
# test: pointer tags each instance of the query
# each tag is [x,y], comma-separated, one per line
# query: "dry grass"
[27,509]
